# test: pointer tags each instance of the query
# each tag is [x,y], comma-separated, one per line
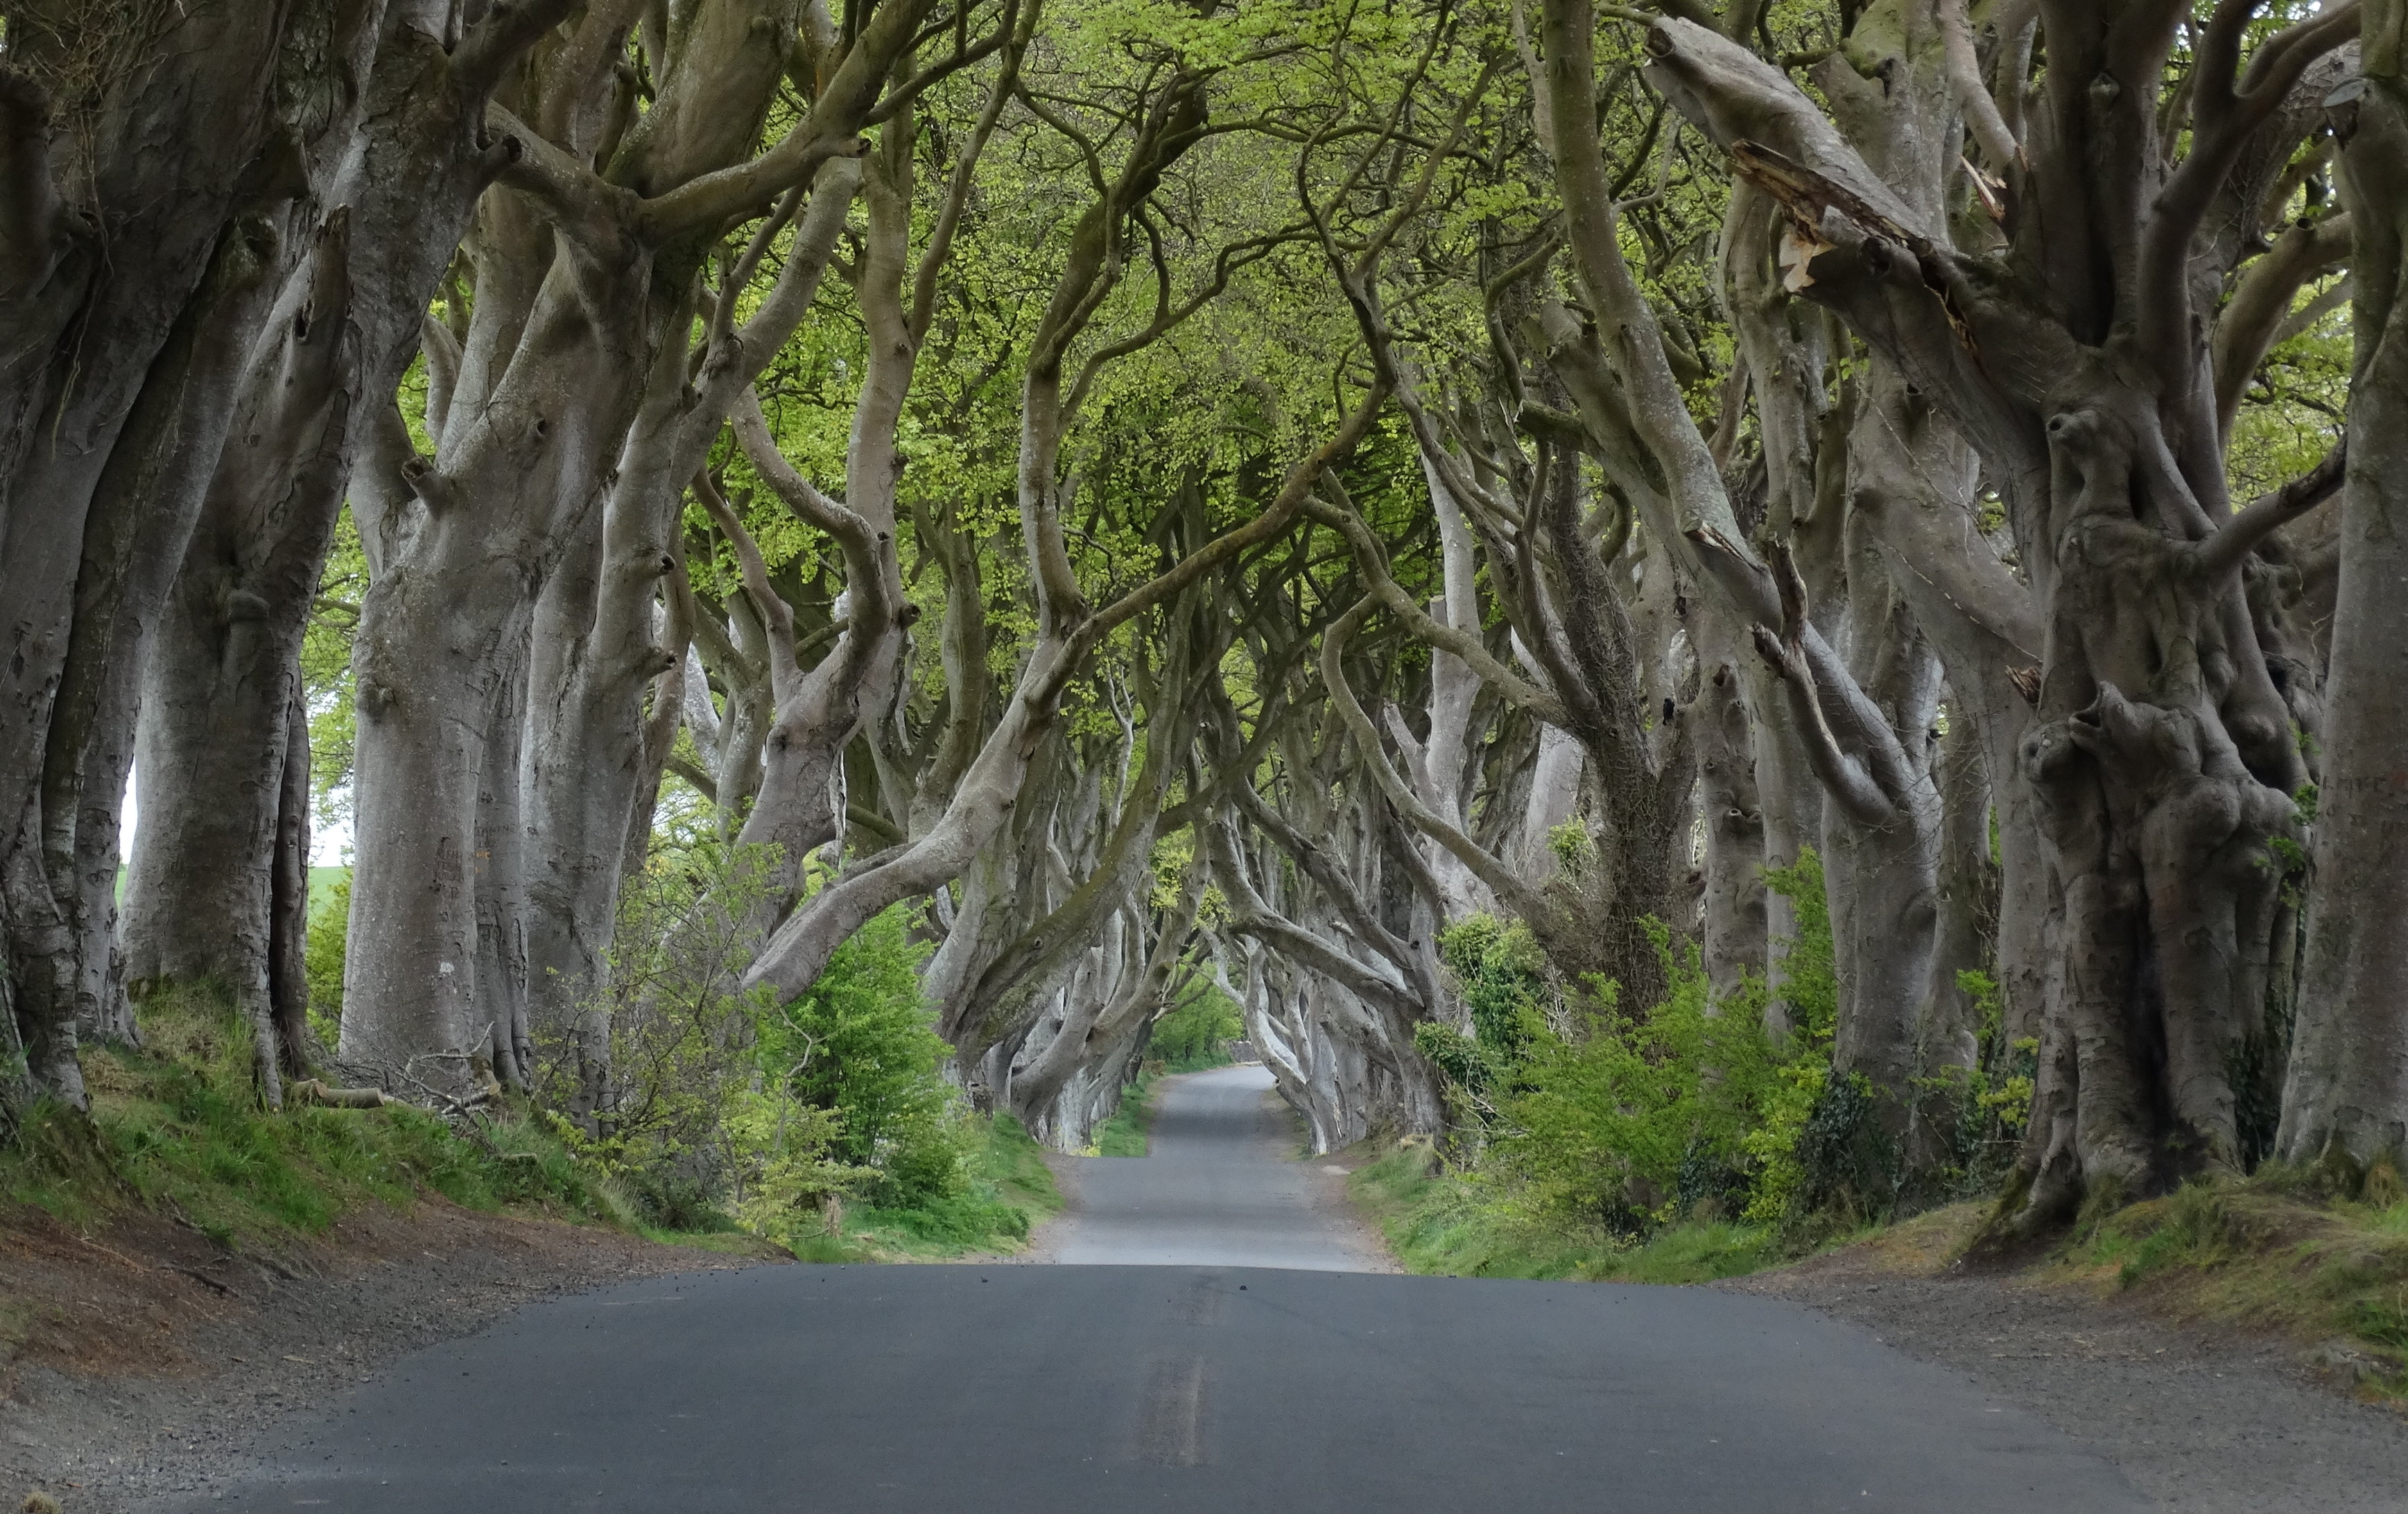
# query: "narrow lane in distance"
[1216,1187]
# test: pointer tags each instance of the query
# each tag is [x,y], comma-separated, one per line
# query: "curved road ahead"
[1204,1385]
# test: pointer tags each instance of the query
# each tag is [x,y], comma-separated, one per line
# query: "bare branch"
[1982,117]
[1509,887]
[772,606]
[1372,563]
[2253,320]
[2225,552]
[509,29]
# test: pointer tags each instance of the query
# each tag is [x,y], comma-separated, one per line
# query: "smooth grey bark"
[1552,801]
[142,508]
[288,900]
[1337,930]
[2161,762]
[1117,879]
[1091,1048]
[1732,930]
[2346,1098]
[1438,767]
[1967,898]
[591,760]
[141,233]
[218,686]
[581,280]
[203,898]
[1554,577]
[1002,890]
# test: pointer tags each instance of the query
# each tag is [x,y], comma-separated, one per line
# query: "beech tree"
[2345,1097]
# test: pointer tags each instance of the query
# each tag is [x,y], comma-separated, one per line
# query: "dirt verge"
[134,1358]
[2205,1421]
[1335,1198]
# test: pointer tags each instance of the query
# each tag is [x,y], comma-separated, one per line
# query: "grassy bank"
[2272,1253]
[175,1130]
[1465,1228]
[1448,1225]
[1125,1134]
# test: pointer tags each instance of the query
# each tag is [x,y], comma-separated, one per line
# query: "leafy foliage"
[1626,1123]
[323,954]
[1458,1224]
[858,1048]
[722,1106]
[1196,1035]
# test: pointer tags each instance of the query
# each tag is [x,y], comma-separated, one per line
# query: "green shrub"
[726,1109]
[859,1045]
[321,959]
[1504,980]
[1006,1187]
[1604,1127]
[661,1114]
[1124,1134]
[1462,1225]
[1987,1105]
[1782,1187]
[1585,1113]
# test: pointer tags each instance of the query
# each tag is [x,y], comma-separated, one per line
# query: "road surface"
[1217,1188]
[1202,1385]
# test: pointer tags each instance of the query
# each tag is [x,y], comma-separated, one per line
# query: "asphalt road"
[1197,1387]
[1216,1187]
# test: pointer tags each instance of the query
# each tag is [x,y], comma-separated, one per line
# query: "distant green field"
[321,883]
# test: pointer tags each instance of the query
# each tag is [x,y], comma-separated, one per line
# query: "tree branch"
[1519,896]
[1295,491]
[2224,551]
[2222,119]
[2251,321]
[828,131]
[1372,563]
[772,606]
[509,29]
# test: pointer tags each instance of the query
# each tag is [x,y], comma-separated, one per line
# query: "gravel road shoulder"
[138,1359]
[2204,1423]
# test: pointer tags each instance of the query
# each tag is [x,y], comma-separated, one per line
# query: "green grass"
[2268,1252]
[1124,1134]
[175,1128]
[1203,1061]
[1010,1190]
[1440,1222]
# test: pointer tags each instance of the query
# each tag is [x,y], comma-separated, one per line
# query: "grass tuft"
[1009,1189]
[1443,1223]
